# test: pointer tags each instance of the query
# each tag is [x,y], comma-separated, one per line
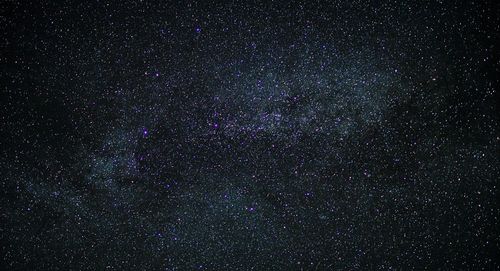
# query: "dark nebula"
[244,135]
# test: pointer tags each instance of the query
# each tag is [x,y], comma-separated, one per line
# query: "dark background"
[238,135]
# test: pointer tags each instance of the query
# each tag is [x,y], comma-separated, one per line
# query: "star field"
[244,135]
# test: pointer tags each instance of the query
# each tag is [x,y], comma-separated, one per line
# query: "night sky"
[243,135]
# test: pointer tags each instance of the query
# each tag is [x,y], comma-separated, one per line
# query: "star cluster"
[244,135]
